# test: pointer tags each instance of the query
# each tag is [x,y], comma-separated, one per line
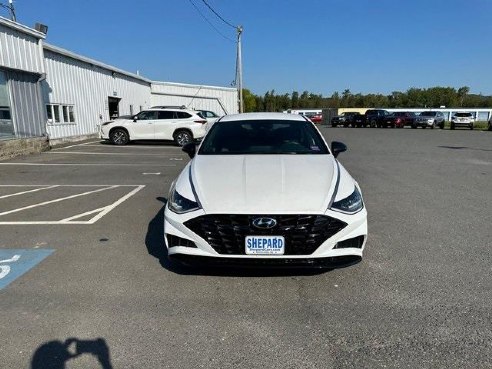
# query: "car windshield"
[463,115]
[263,137]
[428,113]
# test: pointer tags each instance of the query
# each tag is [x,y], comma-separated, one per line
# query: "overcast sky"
[317,45]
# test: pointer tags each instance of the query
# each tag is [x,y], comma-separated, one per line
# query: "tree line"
[433,97]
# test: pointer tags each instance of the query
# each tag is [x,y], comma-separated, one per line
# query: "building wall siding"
[86,86]
[26,106]
[20,51]
[220,100]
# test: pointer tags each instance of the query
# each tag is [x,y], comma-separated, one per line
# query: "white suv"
[462,119]
[181,125]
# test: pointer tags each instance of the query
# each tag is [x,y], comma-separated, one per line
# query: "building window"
[71,114]
[58,113]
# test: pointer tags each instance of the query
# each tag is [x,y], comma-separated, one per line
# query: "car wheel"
[490,125]
[433,125]
[119,136]
[441,125]
[452,126]
[471,126]
[414,126]
[334,125]
[424,127]
[182,137]
[372,123]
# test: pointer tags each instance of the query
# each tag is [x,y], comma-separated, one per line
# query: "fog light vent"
[173,241]
[356,242]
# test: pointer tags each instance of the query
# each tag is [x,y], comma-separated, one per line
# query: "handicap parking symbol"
[16,262]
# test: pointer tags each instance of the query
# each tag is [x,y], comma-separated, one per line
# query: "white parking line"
[114,204]
[57,200]
[88,164]
[127,147]
[82,144]
[106,153]
[46,185]
[23,192]
[100,212]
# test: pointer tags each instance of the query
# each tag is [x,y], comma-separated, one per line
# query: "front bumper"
[462,123]
[327,254]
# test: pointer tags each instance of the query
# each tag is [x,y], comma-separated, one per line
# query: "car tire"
[441,125]
[433,125]
[414,126]
[372,123]
[119,136]
[490,125]
[452,126]
[424,127]
[334,125]
[471,126]
[182,137]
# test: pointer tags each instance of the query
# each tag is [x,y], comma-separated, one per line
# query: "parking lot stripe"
[85,185]
[89,164]
[105,153]
[115,204]
[68,220]
[23,192]
[82,144]
[57,200]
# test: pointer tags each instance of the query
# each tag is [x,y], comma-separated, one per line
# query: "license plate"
[264,245]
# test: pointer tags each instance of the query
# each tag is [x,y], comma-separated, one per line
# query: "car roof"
[263,116]
[171,109]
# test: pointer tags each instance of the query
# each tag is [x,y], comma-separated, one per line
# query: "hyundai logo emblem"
[264,223]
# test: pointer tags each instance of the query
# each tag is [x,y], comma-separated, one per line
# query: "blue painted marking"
[16,262]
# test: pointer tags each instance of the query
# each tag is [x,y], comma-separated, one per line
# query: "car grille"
[303,233]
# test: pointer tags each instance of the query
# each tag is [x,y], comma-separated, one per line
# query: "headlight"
[351,204]
[180,204]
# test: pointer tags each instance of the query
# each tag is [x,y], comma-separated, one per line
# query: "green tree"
[249,101]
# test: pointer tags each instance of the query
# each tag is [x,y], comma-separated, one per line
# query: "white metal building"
[46,90]
[80,93]
[221,100]
[21,69]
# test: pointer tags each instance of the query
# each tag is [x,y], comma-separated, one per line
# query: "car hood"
[263,184]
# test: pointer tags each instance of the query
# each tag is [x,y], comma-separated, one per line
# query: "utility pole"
[239,70]
[11,9]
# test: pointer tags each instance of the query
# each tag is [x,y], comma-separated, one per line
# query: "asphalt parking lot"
[87,283]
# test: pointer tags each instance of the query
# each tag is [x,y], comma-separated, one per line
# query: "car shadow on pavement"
[462,148]
[55,354]
[154,240]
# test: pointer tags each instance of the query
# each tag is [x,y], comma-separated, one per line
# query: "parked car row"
[382,118]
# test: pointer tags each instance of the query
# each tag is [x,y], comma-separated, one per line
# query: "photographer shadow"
[55,354]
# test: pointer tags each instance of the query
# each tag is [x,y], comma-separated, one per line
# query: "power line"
[210,23]
[218,15]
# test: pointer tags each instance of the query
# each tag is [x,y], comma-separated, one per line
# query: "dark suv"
[373,118]
[345,119]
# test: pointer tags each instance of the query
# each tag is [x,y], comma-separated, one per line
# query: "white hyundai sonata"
[265,189]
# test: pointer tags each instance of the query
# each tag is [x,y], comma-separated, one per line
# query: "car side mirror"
[190,149]
[337,148]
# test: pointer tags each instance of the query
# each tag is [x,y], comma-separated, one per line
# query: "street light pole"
[11,9]
[239,70]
